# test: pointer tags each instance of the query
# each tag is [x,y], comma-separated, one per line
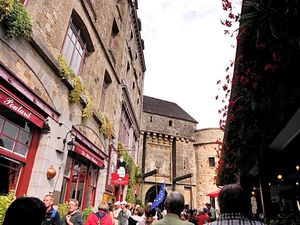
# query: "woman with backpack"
[101,217]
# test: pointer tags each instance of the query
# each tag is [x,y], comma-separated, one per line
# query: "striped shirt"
[235,219]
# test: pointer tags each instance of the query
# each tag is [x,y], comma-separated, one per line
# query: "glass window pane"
[76,62]
[68,50]
[7,143]
[24,137]
[21,149]
[10,130]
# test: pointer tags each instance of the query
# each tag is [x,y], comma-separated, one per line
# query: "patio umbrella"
[213,194]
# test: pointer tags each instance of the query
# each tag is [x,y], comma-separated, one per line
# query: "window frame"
[77,33]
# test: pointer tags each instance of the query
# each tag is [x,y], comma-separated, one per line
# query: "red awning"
[214,193]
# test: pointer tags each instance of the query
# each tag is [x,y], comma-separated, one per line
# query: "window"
[77,43]
[124,128]
[80,181]
[151,119]
[114,34]
[9,175]
[74,48]
[170,123]
[15,133]
[211,161]
[128,67]
[106,82]
[133,85]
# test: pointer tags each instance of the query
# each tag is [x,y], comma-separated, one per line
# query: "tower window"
[211,161]
[170,123]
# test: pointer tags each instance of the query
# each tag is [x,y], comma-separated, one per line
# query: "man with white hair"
[174,204]
[124,214]
[116,212]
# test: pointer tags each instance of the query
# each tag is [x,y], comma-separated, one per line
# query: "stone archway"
[151,194]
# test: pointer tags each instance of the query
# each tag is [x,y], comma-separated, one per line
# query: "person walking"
[174,204]
[52,216]
[234,207]
[124,214]
[74,216]
[116,211]
[101,217]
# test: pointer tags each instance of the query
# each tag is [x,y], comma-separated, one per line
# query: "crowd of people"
[232,202]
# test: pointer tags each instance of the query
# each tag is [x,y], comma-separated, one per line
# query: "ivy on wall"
[105,127]
[15,19]
[78,89]
[132,169]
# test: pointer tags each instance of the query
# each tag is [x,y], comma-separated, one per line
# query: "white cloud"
[186,53]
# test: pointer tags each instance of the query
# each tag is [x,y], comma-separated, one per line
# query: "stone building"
[174,152]
[43,124]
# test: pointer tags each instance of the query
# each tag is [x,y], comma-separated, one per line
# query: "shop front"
[81,173]
[20,128]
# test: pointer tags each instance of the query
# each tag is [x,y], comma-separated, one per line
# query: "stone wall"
[192,148]
[35,64]
[205,147]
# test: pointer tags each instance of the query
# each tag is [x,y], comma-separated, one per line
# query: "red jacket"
[93,219]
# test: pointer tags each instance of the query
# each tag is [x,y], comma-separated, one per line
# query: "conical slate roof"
[165,108]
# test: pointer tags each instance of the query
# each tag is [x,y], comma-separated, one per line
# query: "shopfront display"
[81,176]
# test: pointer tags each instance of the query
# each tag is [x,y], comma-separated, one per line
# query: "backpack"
[100,215]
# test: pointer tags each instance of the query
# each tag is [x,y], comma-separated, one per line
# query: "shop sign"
[117,180]
[88,155]
[13,103]
[120,177]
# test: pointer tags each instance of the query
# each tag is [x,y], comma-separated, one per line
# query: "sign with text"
[88,155]
[16,105]
[117,180]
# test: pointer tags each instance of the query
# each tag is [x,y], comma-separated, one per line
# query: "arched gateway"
[152,193]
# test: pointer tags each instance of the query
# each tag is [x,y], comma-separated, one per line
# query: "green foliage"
[88,109]
[132,169]
[17,23]
[5,201]
[74,96]
[105,127]
[6,7]
[65,70]
[139,202]
[63,209]
[86,212]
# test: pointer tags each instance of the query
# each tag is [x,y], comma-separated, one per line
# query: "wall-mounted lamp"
[297,167]
[71,142]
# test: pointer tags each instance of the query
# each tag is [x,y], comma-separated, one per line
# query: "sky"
[186,53]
